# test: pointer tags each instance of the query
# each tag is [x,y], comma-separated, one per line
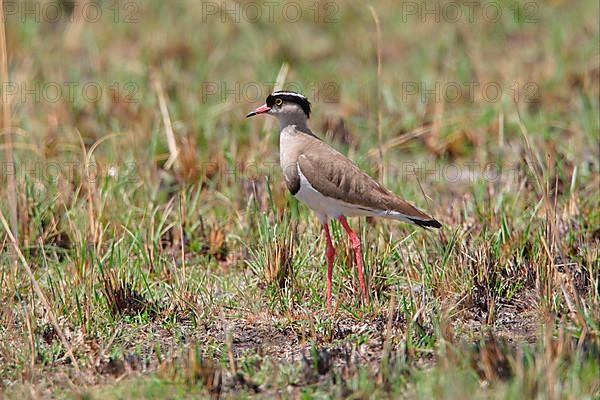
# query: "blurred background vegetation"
[154,217]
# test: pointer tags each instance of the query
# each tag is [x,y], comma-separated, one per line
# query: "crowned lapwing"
[328,182]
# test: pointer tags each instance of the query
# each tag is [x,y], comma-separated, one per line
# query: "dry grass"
[163,257]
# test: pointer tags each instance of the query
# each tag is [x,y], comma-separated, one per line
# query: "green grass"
[207,278]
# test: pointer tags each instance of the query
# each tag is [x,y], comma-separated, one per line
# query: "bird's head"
[284,104]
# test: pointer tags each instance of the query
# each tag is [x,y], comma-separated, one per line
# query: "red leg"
[330,258]
[357,253]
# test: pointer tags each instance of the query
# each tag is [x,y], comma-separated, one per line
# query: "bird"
[329,183]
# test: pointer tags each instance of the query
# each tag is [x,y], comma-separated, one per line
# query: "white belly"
[326,208]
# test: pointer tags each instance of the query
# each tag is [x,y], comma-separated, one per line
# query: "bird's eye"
[278,102]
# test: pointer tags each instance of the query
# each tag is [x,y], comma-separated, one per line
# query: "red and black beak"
[260,110]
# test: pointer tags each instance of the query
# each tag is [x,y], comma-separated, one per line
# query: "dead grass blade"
[378,91]
[11,189]
[164,111]
[40,293]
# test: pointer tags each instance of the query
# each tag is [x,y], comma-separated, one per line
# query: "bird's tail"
[427,223]
[404,211]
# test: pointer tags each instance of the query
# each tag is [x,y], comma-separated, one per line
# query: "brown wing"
[335,176]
